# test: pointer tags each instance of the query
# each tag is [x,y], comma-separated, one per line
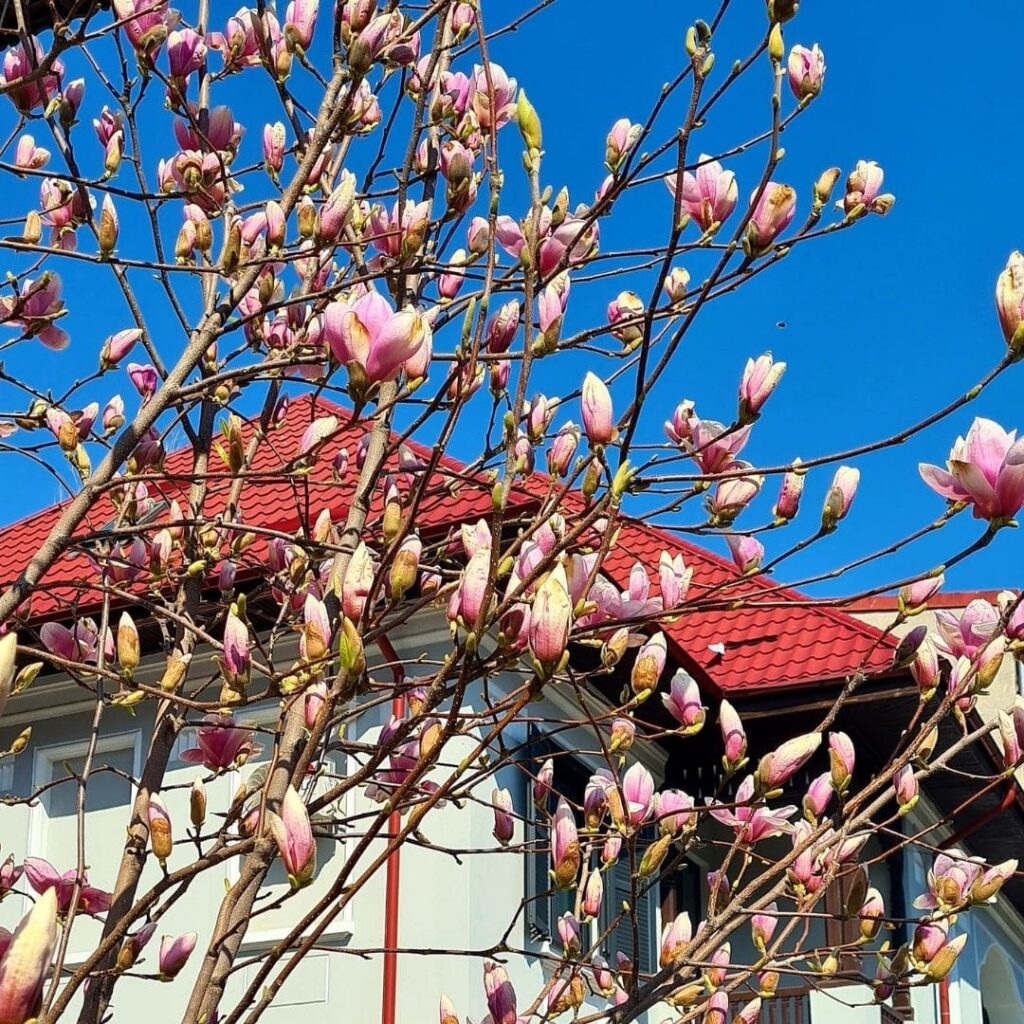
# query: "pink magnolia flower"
[186,52]
[621,139]
[1010,300]
[752,824]
[674,811]
[35,309]
[358,581]
[562,449]
[806,70]
[679,429]
[502,327]
[501,996]
[864,190]
[842,758]
[25,961]
[840,496]
[763,925]
[551,619]
[790,491]
[817,797]
[596,401]
[565,846]
[43,877]
[36,91]
[906,787]
[949,882]
[292,832]
[504,825]
[593,895]
[683,703]
[713,445]
[145,378]
[236,661]
[985,470]
[708,195]
[494,103]
[542,784]
[551,303]
[568,928]
[774,208]
[146,23]
[28,155]
[9,871]
[649,664]
[968,633]
[221,744]
[734,737]
[117,346]
[914,596]
[778,767]
[637,791]
[760,377]
[400,235]
[300,21]
[369,332]
[675,936]
[673,579]
[747,552]
[174,953]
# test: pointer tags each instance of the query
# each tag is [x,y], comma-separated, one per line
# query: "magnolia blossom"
[683,702]
[565,846]
[504,825]
[44,877]
[221,744]
[985,470]
[708,195]
[760,377]
[174,953]
[596,402]
[673,579]
[293,834]
[806,70]
[501,996]
[370,333]
[747,552]
[1010,300]
[25,962]
[774,207]
[949,882]
[778,767]
[734,737]
[840,496]
[864,190]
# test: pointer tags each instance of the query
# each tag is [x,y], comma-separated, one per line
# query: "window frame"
[538,746]
[343,926]
[43,760]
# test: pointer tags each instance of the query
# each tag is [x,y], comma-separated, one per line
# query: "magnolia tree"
[371,219]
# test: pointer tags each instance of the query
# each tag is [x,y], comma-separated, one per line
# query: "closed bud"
[197,803]
[529,122]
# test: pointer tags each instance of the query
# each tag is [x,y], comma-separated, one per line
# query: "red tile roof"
[772,637]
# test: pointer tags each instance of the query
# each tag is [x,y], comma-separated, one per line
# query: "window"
[53,821]
[545,906]
[273,925]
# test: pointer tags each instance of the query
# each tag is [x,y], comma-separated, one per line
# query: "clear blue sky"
[882,323]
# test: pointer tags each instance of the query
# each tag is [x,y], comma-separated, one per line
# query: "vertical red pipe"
[389,980]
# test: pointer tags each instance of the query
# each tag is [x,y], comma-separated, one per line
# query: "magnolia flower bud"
[160,835]
[127,644]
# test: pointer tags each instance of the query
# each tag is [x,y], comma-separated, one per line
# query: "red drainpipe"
[1009,795]
[389,982]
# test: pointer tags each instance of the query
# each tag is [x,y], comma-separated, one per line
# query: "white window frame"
[43,761]
[343,926]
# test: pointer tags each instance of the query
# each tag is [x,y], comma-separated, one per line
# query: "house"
[778,657]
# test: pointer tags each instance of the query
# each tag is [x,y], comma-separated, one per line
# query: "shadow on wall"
[1000,998]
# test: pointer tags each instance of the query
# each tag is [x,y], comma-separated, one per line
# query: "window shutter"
[540,912]
[618,890]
